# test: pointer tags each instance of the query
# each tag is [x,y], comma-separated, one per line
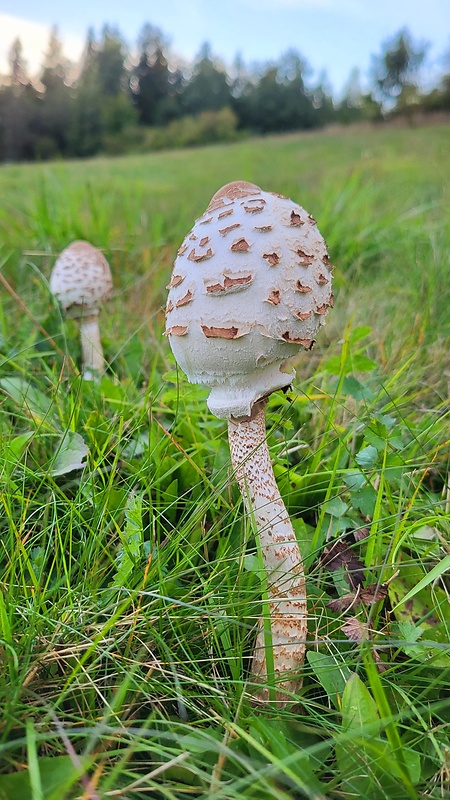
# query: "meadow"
[130,583]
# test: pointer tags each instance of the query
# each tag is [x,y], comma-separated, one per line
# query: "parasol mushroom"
[250,286]
[81,280]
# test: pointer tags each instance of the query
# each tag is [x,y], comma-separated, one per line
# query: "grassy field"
[129,577]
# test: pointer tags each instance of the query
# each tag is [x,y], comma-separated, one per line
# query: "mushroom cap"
[81,279]
[250,285]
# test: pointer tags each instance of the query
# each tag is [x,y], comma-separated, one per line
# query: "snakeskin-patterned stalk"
[281,554]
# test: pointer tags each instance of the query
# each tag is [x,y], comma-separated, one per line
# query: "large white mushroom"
[81,280]
[250,286]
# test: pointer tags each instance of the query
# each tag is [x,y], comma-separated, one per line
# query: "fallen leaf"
[355,630]
[339,555]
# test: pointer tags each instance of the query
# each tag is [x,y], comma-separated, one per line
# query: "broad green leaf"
[56,776]
[358,333]
[16,446]
[359,710]
[356,389]
[374,438]
[364,500]
[353,756]
[27,396]
[334,364]
[363,363]
[336,507]
[287,749]
[436,572]
[386,420]
[367,457]
[355,480]
[331,673]
[425,609]
[70,455]
[131,549]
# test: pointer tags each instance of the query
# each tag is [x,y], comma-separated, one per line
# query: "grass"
[130,588]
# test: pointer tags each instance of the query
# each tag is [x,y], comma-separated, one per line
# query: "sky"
[332,35]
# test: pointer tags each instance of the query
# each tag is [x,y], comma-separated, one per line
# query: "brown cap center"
[234,191]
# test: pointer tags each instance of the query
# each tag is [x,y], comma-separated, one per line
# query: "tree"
[86,129]
[350,108]
[56,101]
[208,88]
[18,110]
[18,70]
[101,106]
[395,72]
[242,86]
[154,86]
[322,98]
[439,97]
[279,100]
[110,62]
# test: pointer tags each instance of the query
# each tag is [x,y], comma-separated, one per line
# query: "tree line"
[113,103]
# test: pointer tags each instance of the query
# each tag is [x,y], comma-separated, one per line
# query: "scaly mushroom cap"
[81,279]
[251,284]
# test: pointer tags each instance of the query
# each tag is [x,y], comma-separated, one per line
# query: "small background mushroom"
[81,279]
[250,286]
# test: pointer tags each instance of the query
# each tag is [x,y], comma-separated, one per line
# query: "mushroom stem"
[91,347]
[281,554]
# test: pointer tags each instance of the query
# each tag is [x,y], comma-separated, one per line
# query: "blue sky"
[333,35]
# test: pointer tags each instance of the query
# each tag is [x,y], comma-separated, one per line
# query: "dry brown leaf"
[355,630]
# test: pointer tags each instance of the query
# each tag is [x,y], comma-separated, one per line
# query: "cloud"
[34,37]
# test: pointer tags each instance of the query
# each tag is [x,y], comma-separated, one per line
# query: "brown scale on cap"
[224,231]
[183,301]
[203,242]
[296,219]
[300,287]
[235,190]
[274,297]
[193,256]
[240,246]
[169,307]
[182,249]
[321,279]
[215,288]
[308,343]
[302,316]
[229,283]
[254,206]
[305,259]
[226,213]
[263,228]
[240,281]
[214,332]
[177,330]
[272,259]
[175,281]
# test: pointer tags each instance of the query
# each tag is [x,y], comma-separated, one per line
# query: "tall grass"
[130,583]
